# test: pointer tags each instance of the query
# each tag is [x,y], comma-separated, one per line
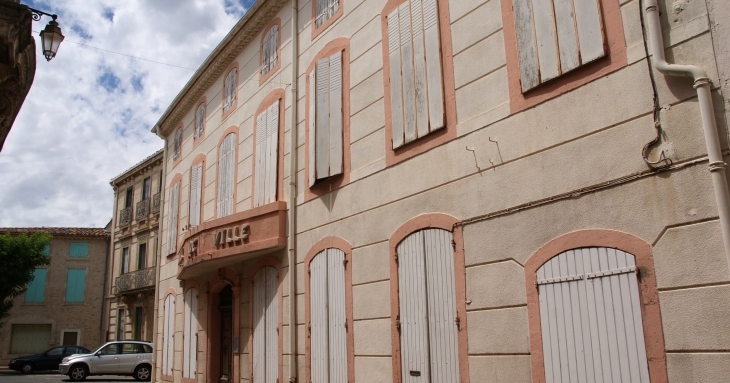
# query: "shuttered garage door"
[426,293]
[591,318]
[30,338]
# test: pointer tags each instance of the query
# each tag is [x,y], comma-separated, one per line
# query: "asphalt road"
[7,376]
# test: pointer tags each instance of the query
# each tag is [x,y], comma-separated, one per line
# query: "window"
[328,331]
[58,351]
[226,176]
[146,187]
[70,338]
[229,89]
[190,334]
[138,323]
[129,197]
[35,288]
[266,174]
[172,219]
[177,144]
[142,256]
[79,250]
[159,183]
[269,50]
[75,280]
[555,37]
[325,119]
[112,349]
[265,325]
[416,81]
[325,10]
[196,189]
[167,335]
[199,121]
[124,265]
[47,249]
[120,324]
[427,303]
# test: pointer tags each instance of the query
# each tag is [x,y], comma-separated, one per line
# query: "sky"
[88,115]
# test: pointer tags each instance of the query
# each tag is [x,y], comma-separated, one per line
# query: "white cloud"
[88,115]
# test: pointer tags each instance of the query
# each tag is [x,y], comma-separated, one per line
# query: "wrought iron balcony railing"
[125,216]
[143,209]
[136,280]
[156,203]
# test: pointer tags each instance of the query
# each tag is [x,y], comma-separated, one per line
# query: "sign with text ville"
[229,240]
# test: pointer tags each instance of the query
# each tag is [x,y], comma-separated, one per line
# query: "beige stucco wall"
[589,135]
[84,317]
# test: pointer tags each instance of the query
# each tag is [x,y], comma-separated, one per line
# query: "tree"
[19,256]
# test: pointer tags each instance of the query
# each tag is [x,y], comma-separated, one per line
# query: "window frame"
[177,144]
[199,160]
[263,77]
[142,245]
[233,130]
[124,260]
[121,324]
[234,104]
[175,180]
[277,94]
[199,133]
[317,30]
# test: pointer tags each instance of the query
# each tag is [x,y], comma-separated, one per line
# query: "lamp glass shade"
[51,38]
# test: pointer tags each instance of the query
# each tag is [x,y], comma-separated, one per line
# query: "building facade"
[63,303]
[450,191]
[129,292]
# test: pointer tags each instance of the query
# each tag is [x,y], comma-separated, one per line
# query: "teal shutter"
[75,285]
[79,250]
[36,287]
[46,249]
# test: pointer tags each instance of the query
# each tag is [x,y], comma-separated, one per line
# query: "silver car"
[114,358]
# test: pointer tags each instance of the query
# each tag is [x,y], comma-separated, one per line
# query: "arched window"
[226,175]
[269,49]
[168,331]
[190,334]
[199,121]
[177,144]
[229,89]
[266,169]
[196,193]
[325,10]
[172,218]
[265,308]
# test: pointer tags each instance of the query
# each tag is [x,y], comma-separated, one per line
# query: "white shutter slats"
[546,39]
[337,316]
[190,334]
[196,181]
[226,175]
[526,49]
[172,219]
[335,110]
[259,327]
[312,127]
[272,324]
[433,66]
[567,39]
[413,311]
[322,119]
[167,335]
[260,167]
[419,66]
[396,87]
[590,30]
[409,88]
[272,131]
[265,326]
[319,335]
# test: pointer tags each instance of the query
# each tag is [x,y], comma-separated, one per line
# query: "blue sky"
[88,115]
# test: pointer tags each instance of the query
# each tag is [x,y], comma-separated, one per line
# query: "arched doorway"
[223,318]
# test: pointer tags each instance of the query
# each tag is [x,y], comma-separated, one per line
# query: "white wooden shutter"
[416,80]
[325,132]
[167,335]
[196,181]
[226,175]
[325,10]
[199,120]
[427,301]
[172,219]
[556,36]
[229,89]
[272,157]
[260,166]
[590,317]
[190,334]
[269,50]
[319,333]
[265,326]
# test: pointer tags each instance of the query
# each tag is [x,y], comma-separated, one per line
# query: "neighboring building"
[63,303]
[486,191]
[17,61]
[129,292]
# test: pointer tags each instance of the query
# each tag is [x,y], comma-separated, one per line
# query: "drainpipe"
[158,251]
[292,213]
[704,98]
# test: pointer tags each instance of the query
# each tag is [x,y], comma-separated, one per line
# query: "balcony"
[156,203]
[136,280]
[125,216]
[143,209]
[230,240]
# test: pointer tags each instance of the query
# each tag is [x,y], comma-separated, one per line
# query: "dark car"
[48,360]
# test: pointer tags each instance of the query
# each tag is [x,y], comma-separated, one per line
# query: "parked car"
[132,358]
[48,360]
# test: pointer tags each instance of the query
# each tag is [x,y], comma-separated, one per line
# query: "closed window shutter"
[79,249]
[36,288]
[226,176]
[260,168]
[325,10]
[267,148]
[265,333]
[75,280]
[326,155]
[230,89]
[555,37]
[172,220]
[199,120]
[319,328]
[190,334]
[177,144]
[416,81]
[196,181]
[167,336]
[269,50]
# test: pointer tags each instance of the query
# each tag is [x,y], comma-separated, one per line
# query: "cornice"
[242,34]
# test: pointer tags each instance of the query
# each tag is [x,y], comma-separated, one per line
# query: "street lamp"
[51,36]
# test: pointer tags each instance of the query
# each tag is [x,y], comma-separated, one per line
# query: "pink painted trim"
[198,140]
[651,316]
[176,179]
[262,79]
[182,137]
[200,158]
[430,221]
[439,137]
[616,59]
[170,291]
[323,244]
[223,278]
[267,261]
[231,129]
[340,181]
[276,94]
[316,31]
[233,107]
